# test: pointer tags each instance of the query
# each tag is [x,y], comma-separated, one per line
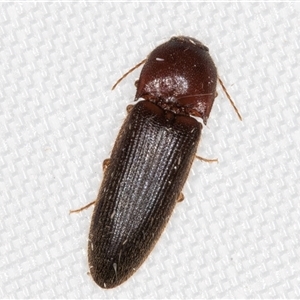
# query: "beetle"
[151,158]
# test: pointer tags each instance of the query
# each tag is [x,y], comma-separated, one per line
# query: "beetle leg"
[207,159]
[129,108]
[180,198]
[104,167]
[82,208]
[105,164]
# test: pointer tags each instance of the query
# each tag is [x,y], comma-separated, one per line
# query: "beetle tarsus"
[82,208]
[209,160]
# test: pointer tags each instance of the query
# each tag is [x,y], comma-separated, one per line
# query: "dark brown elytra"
[151,158]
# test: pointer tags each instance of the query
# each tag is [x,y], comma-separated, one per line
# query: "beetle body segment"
[149,165]
[180,76]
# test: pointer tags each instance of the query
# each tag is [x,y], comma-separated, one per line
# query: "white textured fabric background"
[236,234]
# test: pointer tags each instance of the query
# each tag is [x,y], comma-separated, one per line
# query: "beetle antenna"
[229,98]
[128,72]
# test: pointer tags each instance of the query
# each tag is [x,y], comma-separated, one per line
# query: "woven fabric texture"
[236,234]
